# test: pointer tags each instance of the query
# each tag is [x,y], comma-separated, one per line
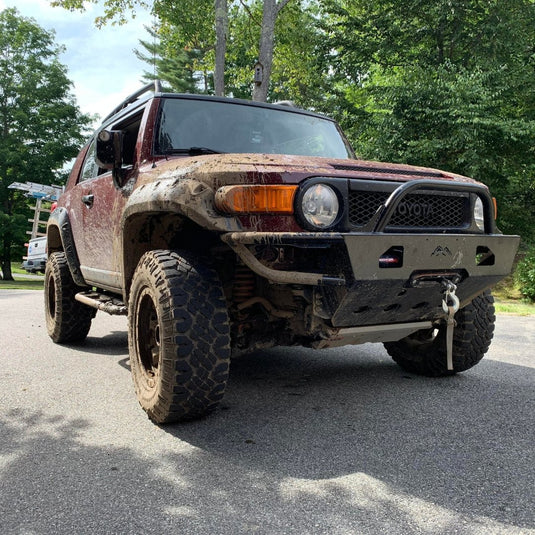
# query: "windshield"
[206,126]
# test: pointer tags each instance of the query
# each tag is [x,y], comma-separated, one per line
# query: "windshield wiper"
[193,151]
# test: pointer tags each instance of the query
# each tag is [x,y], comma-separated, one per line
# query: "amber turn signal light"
[266,199]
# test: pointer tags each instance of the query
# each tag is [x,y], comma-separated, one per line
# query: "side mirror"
[109,154]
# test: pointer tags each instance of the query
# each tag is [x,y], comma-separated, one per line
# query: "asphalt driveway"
[338,441]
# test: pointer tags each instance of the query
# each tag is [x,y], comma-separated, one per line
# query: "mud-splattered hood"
[223,169]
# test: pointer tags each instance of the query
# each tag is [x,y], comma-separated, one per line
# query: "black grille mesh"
[363,204]
[417,210]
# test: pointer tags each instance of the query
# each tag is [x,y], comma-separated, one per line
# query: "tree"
[189,20]
[221,31]
[114,10]
[173,64]
[188,25]
[202,25]
[300,71]
[192,28]
[41,126]
[270,12]
[446,84]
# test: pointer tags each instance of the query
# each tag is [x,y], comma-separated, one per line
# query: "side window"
[130,128]
[90,168]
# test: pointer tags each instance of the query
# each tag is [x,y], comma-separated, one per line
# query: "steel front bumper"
[412,289]
[395,277]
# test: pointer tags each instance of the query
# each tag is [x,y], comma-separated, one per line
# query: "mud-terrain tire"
[471,340]
[178,335]
[67,320]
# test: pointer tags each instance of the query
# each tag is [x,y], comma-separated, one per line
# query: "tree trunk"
[7,238]
[265,49]
[270,13]
[7,275]
[221,30]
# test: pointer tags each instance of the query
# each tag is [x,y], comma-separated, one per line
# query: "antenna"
[154,44]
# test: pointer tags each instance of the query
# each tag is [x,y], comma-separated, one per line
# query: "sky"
[100,62]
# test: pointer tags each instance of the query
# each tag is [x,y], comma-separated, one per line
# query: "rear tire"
[424,353]
[179,336]
[67,320]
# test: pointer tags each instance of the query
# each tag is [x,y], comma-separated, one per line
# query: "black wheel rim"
[148,338]
[51,297]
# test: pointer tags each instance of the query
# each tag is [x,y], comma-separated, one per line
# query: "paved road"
[306,442]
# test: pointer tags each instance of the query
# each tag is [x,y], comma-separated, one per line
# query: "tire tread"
[196,343]
[71,320]
[471,340]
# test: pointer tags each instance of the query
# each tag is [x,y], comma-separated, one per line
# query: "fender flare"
[187,197]
[59,218]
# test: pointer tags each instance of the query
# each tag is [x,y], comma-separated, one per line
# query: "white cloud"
[101,62]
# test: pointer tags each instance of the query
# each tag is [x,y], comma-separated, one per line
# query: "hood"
[221,169]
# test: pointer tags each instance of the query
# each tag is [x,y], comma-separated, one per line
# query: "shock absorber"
[244,283]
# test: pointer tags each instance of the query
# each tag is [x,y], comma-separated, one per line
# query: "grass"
[17,269]
[508,298]
[517,308]
[21,283]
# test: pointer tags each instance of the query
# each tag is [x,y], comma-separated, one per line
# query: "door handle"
[88,199]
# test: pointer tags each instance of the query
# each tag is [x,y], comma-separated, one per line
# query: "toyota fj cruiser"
[220,226]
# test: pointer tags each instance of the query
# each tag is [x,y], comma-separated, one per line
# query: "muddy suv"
[221,226]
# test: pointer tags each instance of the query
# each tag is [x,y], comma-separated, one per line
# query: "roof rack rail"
[155,86]
[289,103]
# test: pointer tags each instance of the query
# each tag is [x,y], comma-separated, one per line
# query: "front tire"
[424,353]
[67,320]
[179,336]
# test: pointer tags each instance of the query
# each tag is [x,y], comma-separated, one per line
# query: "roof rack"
[289,103]
[155,86]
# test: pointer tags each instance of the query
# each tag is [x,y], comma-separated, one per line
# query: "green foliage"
[40,125]
[444,84]
[447,116]
[174,65]
[192,21]
[117,11]
[299,72]
[525,275]
[400,33]
[181,53]
[294,71]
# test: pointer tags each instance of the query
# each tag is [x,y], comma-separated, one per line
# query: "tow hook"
[450,305]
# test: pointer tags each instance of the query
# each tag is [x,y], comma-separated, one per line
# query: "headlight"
[319,206]
[479,214]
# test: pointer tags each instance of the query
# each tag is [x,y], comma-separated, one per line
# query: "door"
[100,205]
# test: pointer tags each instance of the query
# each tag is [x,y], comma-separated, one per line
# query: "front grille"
[363,204]
[418,210]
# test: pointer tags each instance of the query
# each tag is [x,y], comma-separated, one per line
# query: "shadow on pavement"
[305,442]
[304,416]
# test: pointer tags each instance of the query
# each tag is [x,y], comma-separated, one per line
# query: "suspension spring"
[244,284]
